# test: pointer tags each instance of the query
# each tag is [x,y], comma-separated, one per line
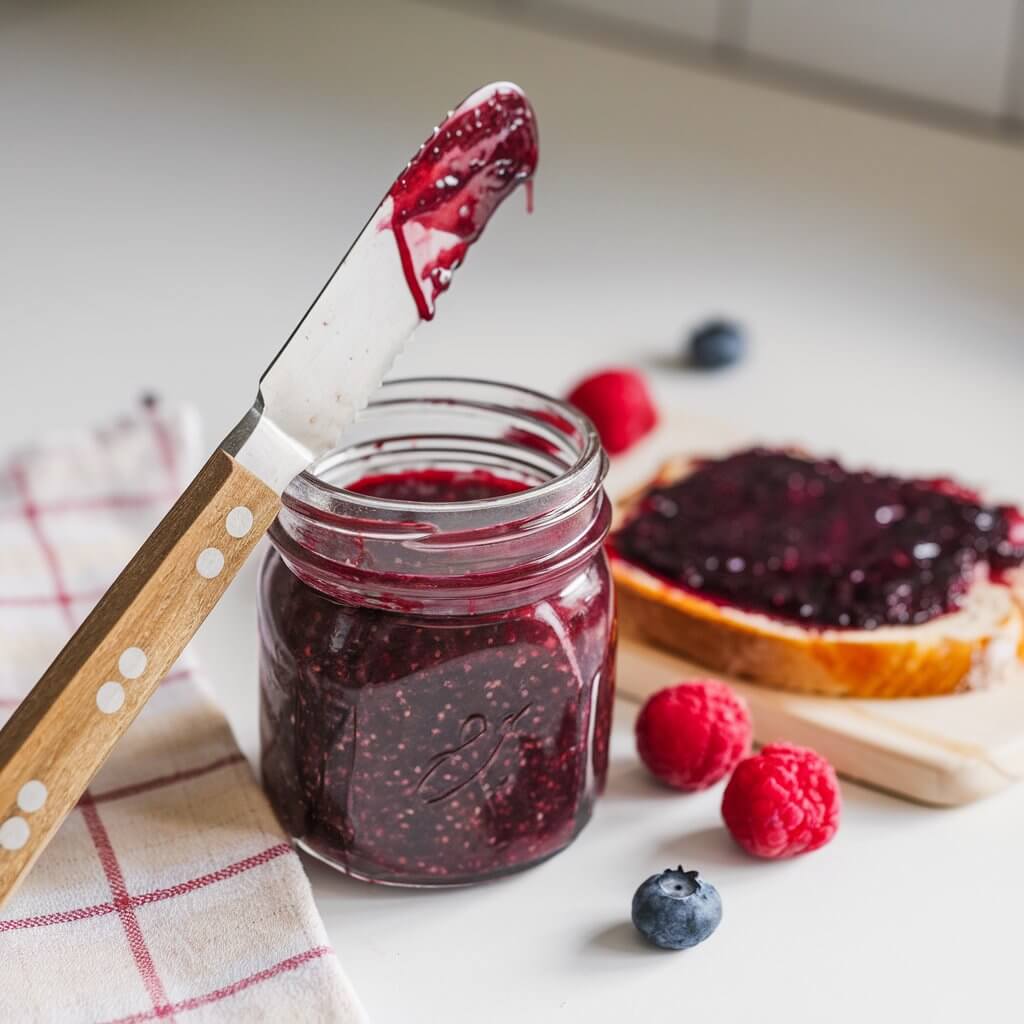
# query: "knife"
[324,375]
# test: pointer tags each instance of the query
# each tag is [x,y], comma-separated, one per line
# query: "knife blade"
[388,282]
[333,361]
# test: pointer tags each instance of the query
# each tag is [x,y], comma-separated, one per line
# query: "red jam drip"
[434,748]
[808,541]
[437,485]
[459,177]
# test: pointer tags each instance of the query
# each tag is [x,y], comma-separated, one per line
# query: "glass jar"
[437,637]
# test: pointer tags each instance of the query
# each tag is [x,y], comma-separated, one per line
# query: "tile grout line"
[1013,87]
[732,29]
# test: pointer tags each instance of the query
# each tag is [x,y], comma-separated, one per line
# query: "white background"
[177,180]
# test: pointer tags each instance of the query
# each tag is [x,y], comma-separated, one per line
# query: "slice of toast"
[977,646]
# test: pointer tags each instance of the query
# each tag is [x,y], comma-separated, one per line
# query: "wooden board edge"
[868,749]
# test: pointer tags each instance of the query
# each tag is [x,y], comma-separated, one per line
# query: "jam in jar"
[437,637]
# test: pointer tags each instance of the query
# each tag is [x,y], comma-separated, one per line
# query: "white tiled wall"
[696,19]
[952,51]
[967,55]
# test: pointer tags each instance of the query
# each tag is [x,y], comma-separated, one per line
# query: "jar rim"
[311,491]
[491,550]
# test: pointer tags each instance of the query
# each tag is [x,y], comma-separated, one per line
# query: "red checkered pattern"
[170,893]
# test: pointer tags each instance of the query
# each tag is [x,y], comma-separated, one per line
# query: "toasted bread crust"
[915,661]
[806,661]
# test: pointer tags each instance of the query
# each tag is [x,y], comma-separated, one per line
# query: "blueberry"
[717,343]
[675,910]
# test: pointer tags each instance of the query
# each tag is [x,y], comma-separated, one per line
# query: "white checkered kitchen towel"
[171,892]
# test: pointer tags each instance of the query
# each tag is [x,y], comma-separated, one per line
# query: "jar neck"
[450,557]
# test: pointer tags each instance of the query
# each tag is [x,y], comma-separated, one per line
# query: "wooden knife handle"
[63,731]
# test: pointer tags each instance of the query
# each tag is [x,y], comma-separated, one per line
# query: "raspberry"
[782,802]
[1014,526]
[693,734]
[950,488]
[619,404]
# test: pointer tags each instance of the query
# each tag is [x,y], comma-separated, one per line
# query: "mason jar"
[437,637]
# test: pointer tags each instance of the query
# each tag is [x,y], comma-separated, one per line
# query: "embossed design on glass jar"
[450,771]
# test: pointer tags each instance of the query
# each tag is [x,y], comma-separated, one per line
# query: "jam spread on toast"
[808,541]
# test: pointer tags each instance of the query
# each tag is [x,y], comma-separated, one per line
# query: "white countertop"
[176,183]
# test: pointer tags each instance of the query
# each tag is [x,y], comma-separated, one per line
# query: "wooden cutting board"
[941,750]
